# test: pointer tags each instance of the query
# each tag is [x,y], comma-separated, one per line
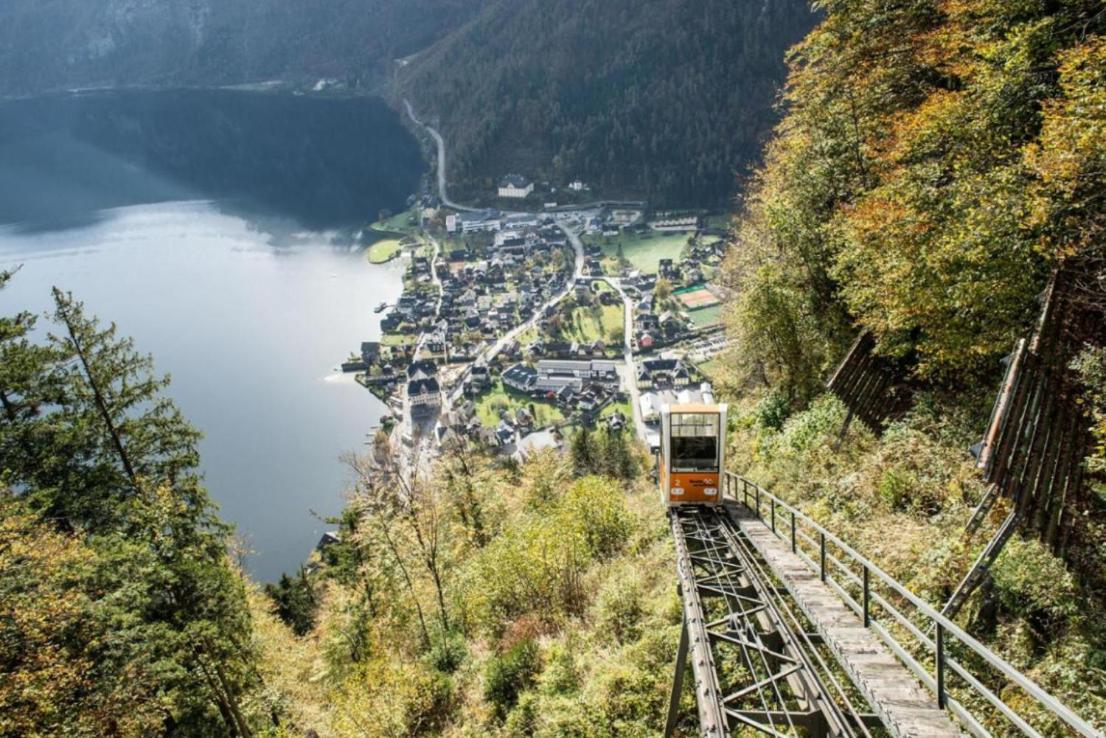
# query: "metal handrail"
[944,627]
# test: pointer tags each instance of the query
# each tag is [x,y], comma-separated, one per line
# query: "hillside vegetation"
[937,160]
[656,99]
[490,601]
[487,599]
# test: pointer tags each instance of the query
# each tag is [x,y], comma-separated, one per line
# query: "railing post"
[757,488]
[822,553]
[942,700]
[794,548]
[773,501]
[867,598]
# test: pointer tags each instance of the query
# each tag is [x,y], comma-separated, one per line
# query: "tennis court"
[695,298]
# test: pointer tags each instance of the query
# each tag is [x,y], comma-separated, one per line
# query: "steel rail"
[747,655]
[755,646]
[739,542]
[949,629]
[708,695]
[712,545]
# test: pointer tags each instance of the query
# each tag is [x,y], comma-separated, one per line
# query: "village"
[525,320]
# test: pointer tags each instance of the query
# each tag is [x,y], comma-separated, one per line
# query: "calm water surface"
[249,313]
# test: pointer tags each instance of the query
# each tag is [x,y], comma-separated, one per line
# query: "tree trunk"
[410,585]
[101,402]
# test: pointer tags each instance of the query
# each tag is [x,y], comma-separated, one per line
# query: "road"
[630,365]
[437,282]
[442,193]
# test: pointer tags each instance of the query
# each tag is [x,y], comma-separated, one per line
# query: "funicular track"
[758,668]
[791,632]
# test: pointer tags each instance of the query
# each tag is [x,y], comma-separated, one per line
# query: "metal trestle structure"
[756,668]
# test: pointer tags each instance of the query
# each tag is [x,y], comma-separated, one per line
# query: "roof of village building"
[520,375]
[514,180]
[580,365]
[425,386]
[426,367]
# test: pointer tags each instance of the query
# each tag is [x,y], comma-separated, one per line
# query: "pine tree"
[97,450]
[295,601]
[583,453]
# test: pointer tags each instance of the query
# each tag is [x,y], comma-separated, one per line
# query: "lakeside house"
[424,395]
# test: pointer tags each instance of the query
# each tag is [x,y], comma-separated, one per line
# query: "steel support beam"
[749,671]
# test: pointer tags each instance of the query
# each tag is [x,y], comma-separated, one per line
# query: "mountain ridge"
[65,44]
[669,102]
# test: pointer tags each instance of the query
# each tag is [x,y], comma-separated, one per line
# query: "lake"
[242,274]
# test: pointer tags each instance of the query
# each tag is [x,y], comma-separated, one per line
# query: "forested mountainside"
[938,158]
[64,44]
[937,162]
[664,100]
[670,101]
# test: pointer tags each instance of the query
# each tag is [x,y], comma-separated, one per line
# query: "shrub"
[387,698]
[896,488]
[510,674]
[448,651]
[596,510]
[816,425]
[1033,583]
[561,674]
[619,607]
[772,411]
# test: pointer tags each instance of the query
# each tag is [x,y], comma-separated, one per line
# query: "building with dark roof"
[424,394]
[515,186]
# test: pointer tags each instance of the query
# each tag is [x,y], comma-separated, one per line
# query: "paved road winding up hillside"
[442,190]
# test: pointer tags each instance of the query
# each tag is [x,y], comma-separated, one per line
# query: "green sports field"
[644,252]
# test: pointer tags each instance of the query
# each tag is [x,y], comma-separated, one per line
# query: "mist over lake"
[219,230]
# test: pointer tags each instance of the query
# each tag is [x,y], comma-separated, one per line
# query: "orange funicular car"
[692,454]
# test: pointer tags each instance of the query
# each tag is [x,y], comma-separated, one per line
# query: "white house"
[451,223]
[577,186]
[515,186]
[483,220]
[675,225]
[599,370]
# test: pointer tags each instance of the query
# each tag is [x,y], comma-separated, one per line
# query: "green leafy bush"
[448,651]
[816,425]
[619,607]
[510,674]
[772,411]
[561,674]
[595,509]
[1033,583]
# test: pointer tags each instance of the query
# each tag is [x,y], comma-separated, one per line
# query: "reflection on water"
[213,227]
[326,163]
[250,325]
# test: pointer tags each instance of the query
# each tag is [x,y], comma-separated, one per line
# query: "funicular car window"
[694,442]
